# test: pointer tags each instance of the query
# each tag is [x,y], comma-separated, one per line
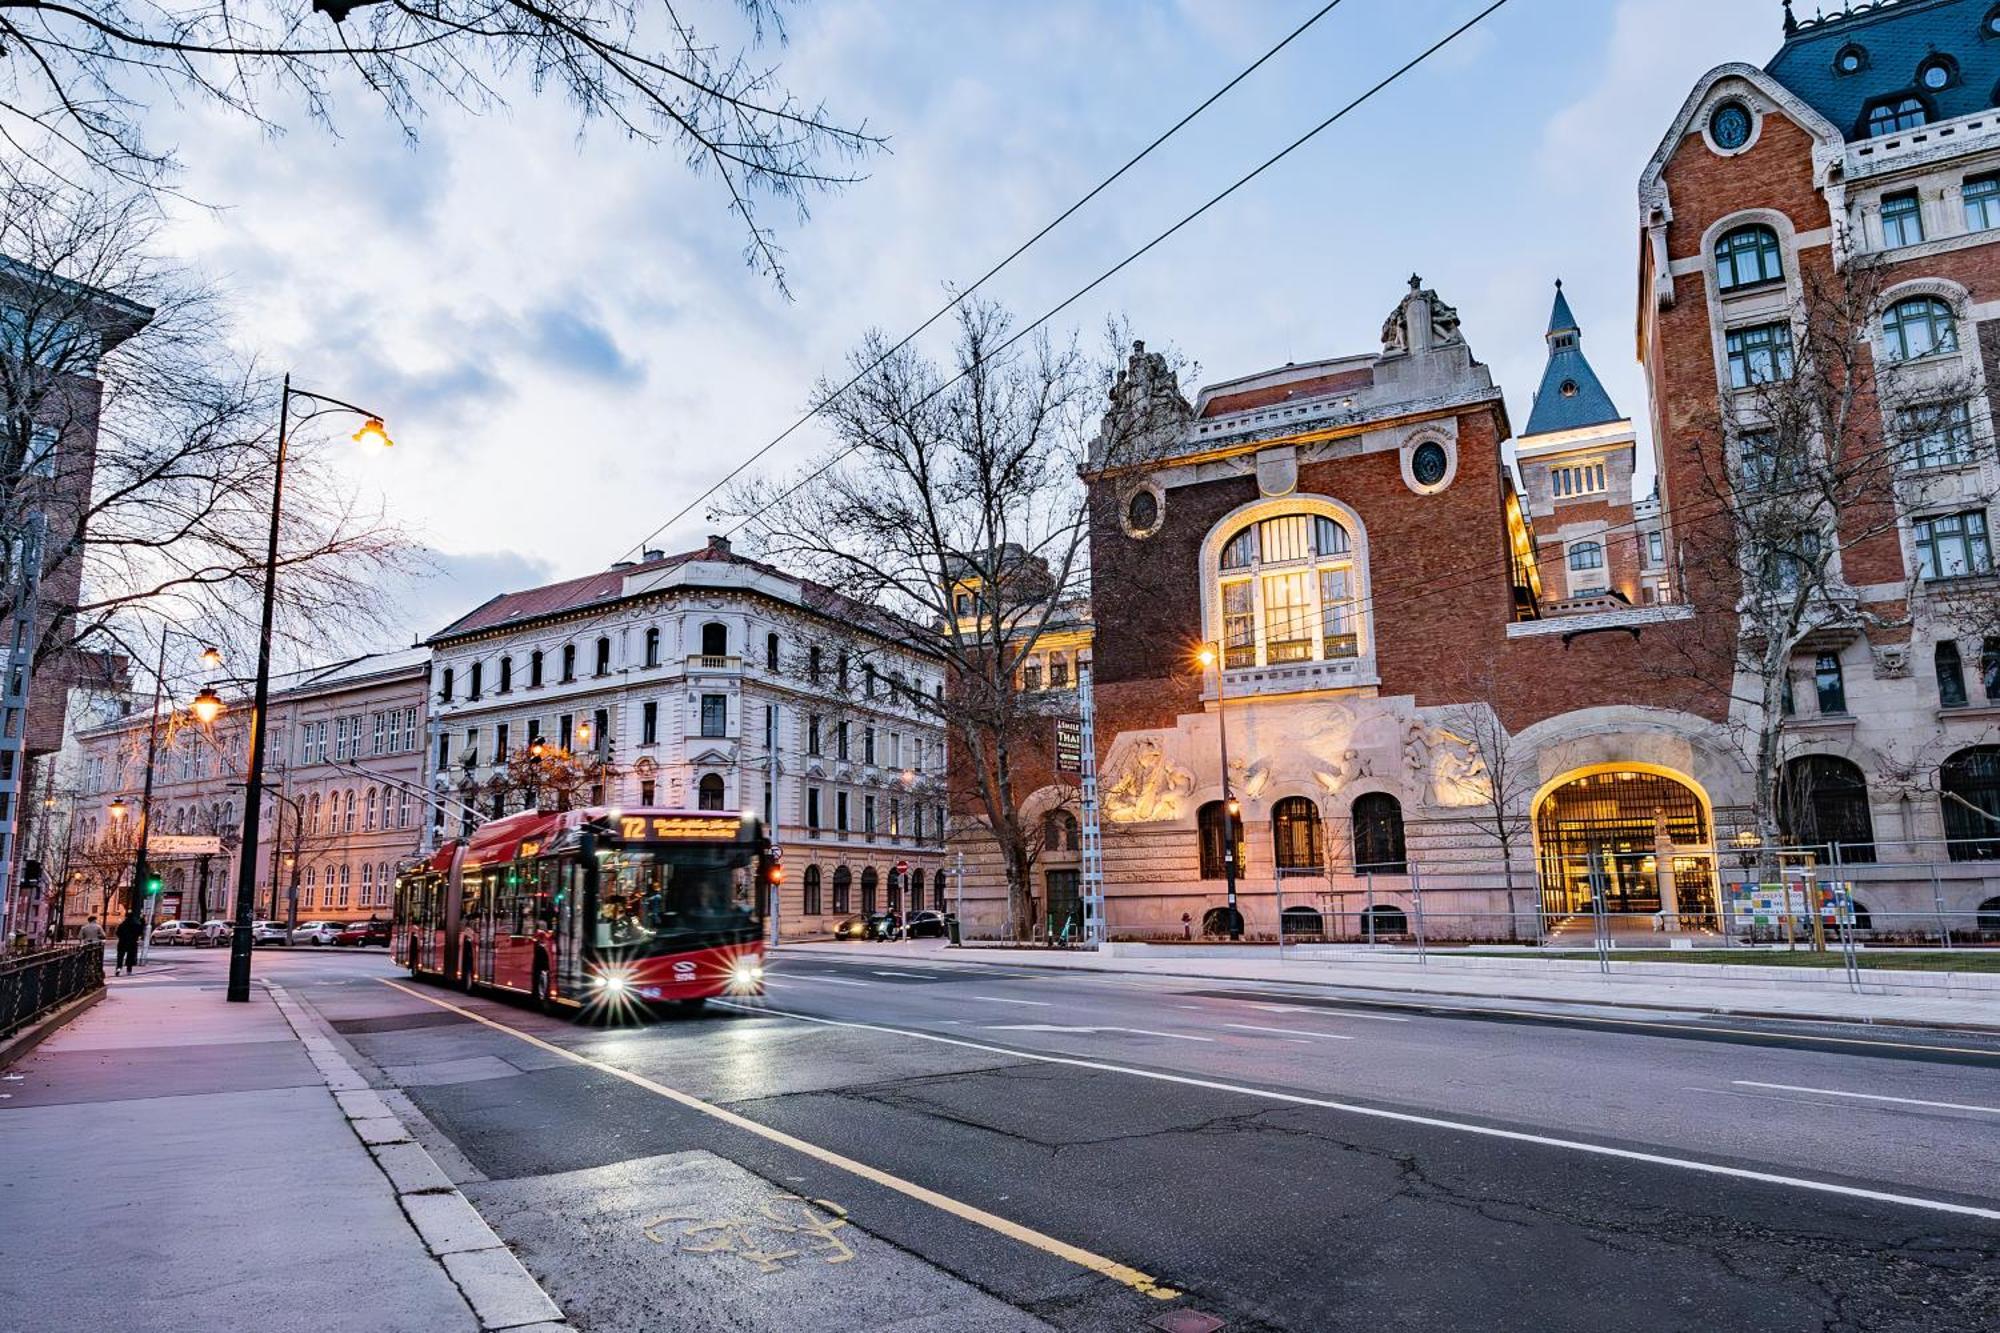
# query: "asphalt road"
[992,1147]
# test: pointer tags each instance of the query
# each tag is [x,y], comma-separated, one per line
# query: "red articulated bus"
[593,909]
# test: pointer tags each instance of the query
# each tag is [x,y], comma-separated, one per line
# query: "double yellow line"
[1082,1258]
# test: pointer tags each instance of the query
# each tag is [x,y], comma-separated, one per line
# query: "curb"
[1720,1011]
[500,1292]
[33,1035]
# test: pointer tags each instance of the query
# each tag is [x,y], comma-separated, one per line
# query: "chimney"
[718,545]
[655,553]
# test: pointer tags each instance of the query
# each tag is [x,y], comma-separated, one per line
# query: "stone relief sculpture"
[1458,775]
[1143,785]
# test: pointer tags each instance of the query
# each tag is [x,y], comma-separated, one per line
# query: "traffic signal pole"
[139,886]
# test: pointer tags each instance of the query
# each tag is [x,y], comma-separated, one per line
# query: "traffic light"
[774,868]
[153,886]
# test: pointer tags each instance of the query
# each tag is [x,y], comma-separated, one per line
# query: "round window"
[1569,389]
[1850,61]
[1730,126]
[1429,463]
[1142,512]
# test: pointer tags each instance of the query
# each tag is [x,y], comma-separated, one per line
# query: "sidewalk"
[174,1162]
[1763,992]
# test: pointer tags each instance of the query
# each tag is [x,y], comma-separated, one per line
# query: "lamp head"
[536,748]
[373,432]
[207,706]
[211,656]
[1206,656]
[119,808]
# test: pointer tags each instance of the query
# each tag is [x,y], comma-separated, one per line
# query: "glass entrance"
[1065,900]
[1616,834]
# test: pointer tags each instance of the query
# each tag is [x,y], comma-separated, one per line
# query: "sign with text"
[181,844]
[665,828]
[1069,745]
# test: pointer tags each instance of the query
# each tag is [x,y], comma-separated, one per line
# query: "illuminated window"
[1288,590]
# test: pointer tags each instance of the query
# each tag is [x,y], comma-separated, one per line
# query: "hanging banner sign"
[1069,746]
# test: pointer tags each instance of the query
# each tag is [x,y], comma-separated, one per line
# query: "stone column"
[1663,870]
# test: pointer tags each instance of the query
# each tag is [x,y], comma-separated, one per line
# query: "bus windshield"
[670,893]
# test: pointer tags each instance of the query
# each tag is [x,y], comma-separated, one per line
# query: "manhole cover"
[1187,1321]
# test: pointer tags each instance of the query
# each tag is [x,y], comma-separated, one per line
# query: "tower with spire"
[1576,461]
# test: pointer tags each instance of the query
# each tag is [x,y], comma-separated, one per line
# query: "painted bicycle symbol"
[786,1228]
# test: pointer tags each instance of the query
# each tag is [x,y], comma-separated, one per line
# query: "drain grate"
[1187,1321]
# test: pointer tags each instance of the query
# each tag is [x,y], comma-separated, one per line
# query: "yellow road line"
[1082,1258]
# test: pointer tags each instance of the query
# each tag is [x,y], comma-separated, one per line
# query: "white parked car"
[176,932]
[314,932]
[269,932]
[217,932]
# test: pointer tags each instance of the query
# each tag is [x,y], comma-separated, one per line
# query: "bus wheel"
[691,1006]
[540,989]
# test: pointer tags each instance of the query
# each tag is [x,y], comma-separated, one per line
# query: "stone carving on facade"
[1277,472]
[1892,661]
[1146,402]
[1143,785]
[1442,324]
[1458,774]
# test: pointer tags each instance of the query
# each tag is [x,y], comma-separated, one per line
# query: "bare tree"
[954,506]
[1832,429]
[1497,794]
[148,446]
[75,77]
[546,778]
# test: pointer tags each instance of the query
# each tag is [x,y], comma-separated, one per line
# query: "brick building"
[1430,680]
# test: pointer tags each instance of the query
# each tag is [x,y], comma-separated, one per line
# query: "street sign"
[902,867]
[181,844]
[1069,745]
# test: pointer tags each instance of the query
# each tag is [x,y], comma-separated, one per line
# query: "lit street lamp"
[253,795]
[1231,808]
[207,707]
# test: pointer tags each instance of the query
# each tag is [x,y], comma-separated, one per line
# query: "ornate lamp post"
[1231,807]
[207,707]
[253,794]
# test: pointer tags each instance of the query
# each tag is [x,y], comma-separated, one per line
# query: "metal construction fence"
[34,983]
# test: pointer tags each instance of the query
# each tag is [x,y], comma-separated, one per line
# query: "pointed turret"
[1571,396]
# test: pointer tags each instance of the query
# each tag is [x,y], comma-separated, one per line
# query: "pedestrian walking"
[92,933]
[129,931]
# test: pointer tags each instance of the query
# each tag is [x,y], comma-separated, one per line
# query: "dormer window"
[1851,60]
[1897,113]
[1937,74]
[1990,26]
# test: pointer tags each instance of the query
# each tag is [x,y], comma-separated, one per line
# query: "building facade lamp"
[119,809]
[207,706]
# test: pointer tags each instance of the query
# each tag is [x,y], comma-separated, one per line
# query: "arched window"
[1920,326]
[1059,831]
[809,891]
[937,889]
[1213,821]
[869,879]
[1301,923]
[368,812]
[843,884]
[602,665]
[568,662]
[714,639]
[311,888]
[653,646]
[1295,834]
[1969,787]
[1378,921]
[709,792]
[1896,113]
[506,674]
[346,883]
[770,652]
[1378,835]
[1823,806]
[347,822]
[1950,675]
[444,686]
[535,669]
[1748,257]
[1288,588]
[895,891]
[1586,556]
[316,824]
[1989,668]
[367,885]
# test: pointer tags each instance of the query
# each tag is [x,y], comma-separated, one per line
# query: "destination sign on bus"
[664,828]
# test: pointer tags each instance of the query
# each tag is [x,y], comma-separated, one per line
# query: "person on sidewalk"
[129,931]
[92,933]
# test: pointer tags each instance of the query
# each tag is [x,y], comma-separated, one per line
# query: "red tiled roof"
[555,598]
[1250,399]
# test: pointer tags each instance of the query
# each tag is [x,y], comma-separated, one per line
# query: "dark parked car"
[925,925]
[363,932]
[885,926]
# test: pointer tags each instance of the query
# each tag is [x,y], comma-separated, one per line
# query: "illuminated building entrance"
[1643,838]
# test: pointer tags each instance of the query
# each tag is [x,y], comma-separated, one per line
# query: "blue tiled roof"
[1571,396]
[1894,37]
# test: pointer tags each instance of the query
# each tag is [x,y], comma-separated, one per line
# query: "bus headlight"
[745,974]
[612,983]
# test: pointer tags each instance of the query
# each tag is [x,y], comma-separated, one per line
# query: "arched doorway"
[1623,833]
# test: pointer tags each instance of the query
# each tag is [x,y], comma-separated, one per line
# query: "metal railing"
[32,984]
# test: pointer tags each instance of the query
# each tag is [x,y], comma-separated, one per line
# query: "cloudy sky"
[568,346]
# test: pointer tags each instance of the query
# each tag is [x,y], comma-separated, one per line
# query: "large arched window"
[1378,835]
[1920,326]
[1989,668]
[714,639]
[1823,806]
[1969,786]
[1213,821]
[937,889]
[843,890]
[1585,556]
[708,792]
[1748,257]
[809,892]
[1289,592]
[869,879]
[1295,834]
[1059,831]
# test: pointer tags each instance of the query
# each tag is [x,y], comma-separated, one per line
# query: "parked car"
[885,926]
[217,932]
[363,932]
[176,932]
[854,928]
[925,925]
[269,932]
[314,932]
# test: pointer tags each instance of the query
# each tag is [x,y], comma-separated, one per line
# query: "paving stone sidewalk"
[169,1161]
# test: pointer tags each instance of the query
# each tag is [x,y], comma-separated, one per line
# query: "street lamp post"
[207,707]
[1230,807]
[253,793]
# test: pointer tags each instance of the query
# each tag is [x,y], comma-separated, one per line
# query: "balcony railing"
[715,662]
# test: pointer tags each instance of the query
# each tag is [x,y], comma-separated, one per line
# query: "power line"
[990,273]
[1164,236]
